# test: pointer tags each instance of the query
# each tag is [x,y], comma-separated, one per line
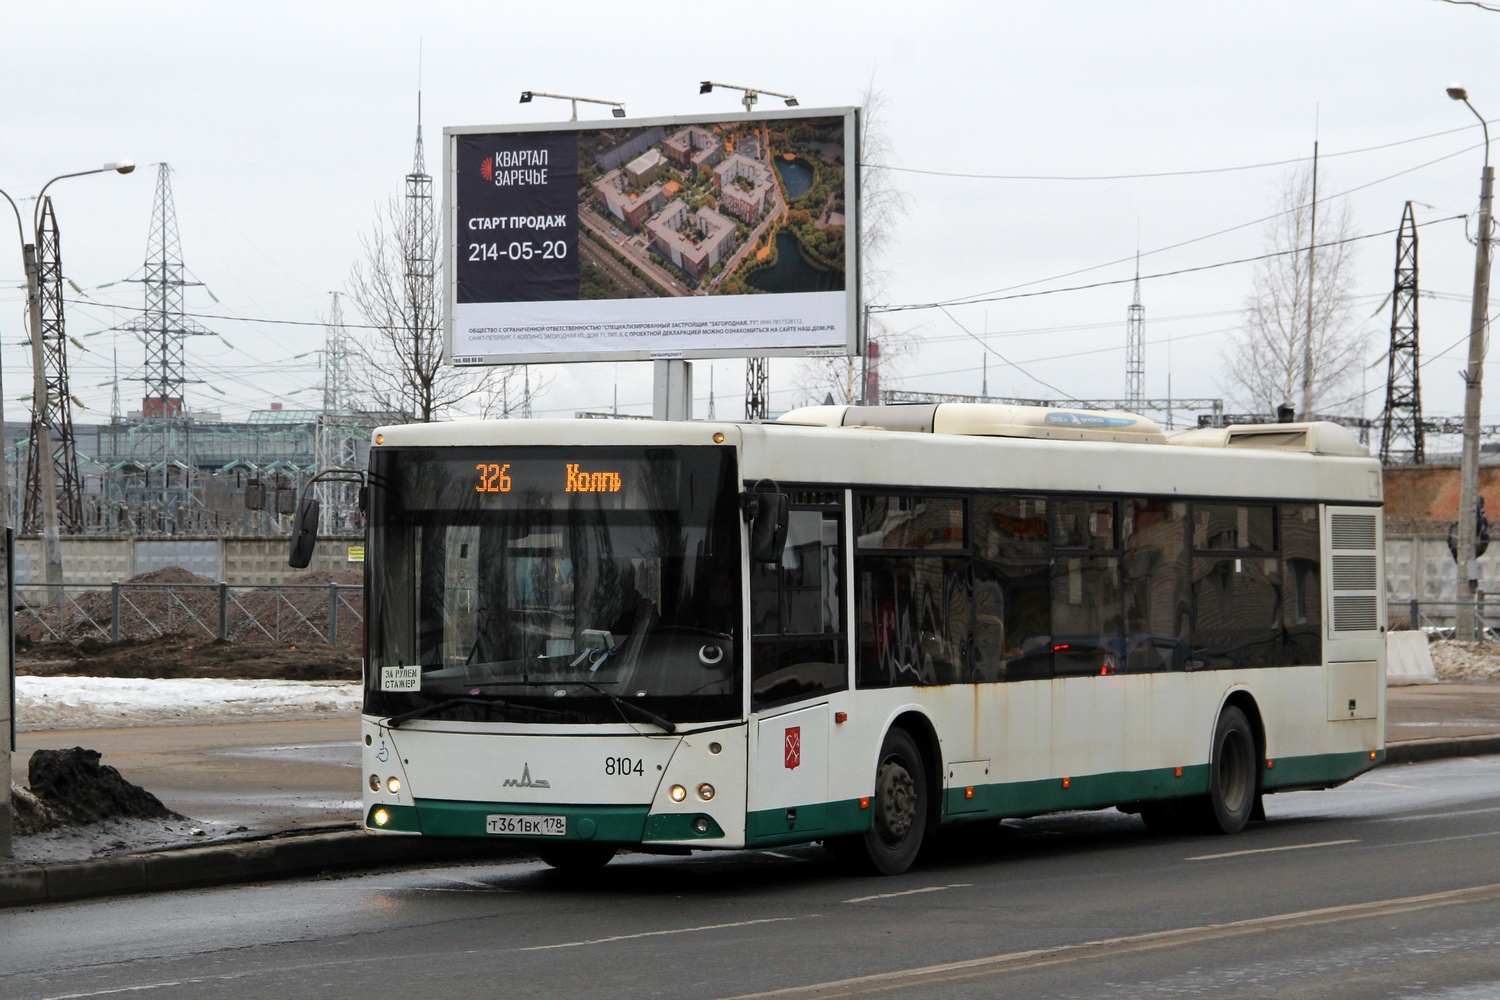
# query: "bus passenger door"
[789,775]
[798,654]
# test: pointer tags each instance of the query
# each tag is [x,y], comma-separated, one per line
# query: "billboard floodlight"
[617,108]
[750,94]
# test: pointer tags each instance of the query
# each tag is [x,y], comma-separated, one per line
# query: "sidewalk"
[265,776]
[1442,711]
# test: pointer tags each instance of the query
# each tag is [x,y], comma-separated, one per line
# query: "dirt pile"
[189,656]
[73,787]
[1466,661]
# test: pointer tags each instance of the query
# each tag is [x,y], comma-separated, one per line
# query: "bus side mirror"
[304,533]
[768,527]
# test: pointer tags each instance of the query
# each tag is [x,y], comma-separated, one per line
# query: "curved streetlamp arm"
[35,218]
[20,229]
[1484,125]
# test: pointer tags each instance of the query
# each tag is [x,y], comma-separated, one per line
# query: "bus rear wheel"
[572,858]
[1232,773]
[900,807]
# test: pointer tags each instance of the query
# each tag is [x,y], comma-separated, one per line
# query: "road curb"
[283,856]
[1414,751]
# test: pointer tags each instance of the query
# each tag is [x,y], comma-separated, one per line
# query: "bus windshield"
[545,584]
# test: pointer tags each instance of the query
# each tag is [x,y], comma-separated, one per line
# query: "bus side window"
[1302,591]
[797,613]
[1012,637]
[913,604]
[1237,587]
[1156,578]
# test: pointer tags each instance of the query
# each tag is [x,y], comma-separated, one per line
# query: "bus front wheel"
[900,809]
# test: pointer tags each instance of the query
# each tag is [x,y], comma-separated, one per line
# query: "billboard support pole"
[672,390]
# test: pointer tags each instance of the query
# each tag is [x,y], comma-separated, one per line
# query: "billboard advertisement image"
[628,240]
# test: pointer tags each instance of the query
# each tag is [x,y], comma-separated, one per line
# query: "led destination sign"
[519,479]
[494,478]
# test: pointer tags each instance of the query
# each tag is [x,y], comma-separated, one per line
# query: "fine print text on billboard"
[681,238]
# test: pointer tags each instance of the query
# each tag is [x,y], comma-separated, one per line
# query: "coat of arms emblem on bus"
[793,746]
[526,780]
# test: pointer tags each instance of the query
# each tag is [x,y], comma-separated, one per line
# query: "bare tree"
[398,289]
[881,208]
[1265,365]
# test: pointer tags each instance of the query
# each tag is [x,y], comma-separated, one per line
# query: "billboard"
[700,237]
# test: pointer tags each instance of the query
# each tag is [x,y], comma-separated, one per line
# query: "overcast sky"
[286,124]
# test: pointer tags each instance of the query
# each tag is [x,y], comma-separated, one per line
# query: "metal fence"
[329,613]
[1442,616]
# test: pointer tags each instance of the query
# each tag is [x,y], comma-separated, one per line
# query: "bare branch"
[402,360]
[1265,362]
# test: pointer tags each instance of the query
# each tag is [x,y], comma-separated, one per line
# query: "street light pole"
[52,543]
[1469,626]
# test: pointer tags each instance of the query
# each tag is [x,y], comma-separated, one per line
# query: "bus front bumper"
[625,788]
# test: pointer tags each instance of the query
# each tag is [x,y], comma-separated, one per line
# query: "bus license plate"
[527,826]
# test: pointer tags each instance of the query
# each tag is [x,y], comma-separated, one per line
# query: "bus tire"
[1232,773]
[574,858]
[899,821]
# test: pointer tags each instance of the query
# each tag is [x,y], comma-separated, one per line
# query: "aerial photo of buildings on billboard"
[729,208]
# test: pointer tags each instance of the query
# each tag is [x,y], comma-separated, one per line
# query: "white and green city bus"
[854,625]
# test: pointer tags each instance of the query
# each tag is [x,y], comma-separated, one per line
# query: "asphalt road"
[1388,887]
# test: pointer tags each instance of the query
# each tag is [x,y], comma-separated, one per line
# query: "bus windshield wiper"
[395,721]
[625,707]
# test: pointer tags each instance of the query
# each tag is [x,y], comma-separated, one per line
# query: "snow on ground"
[1466,661]
[94,702]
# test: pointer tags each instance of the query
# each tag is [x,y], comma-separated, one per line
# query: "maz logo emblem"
[526,781]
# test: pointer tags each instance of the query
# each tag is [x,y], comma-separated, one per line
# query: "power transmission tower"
[115,414]
[757,388]
[164,327]
[55,408]
[338,427]
[1401,422]
[1135,344]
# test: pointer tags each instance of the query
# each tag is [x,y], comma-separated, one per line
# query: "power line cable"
[1167,173]
[1125,281]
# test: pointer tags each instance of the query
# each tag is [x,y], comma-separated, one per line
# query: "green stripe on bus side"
[1318,770]
[773,827]
[615,824]
[1085,791]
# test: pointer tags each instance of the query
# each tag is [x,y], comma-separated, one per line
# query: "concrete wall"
[97,560]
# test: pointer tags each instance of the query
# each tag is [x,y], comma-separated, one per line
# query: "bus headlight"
[701,825]
[374,782]
[678,793]
[705,791]
[393,784]
[381,817]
